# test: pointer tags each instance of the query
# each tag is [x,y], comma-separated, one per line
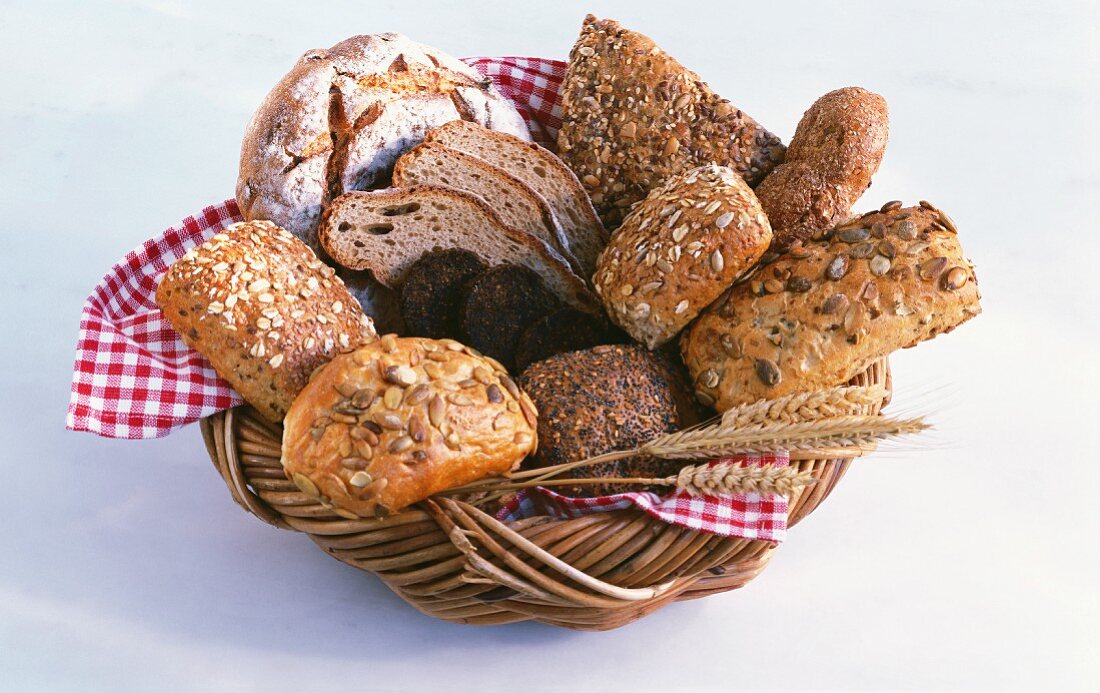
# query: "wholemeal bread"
[680,248]
[258,304]
[561,331]
[341,117]
[599,400]
[632,116]
[545,173]
[431,296]
[385,231]
[514,202]
[394,422]
[497,307]
[836,148]
[827,309]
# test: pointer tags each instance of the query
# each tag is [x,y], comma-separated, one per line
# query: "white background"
[965,561]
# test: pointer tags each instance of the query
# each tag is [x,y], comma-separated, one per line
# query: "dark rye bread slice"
[517,205]
[386,231]
[544,173]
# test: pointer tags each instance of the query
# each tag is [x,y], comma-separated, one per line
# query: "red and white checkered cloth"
[746,515]
[134,377]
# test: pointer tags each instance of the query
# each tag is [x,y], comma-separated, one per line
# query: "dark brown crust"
[561,331]
[836,148]
[826,310]
[499,304]
[431,296]
[632,116]
[263,309]
[598,400]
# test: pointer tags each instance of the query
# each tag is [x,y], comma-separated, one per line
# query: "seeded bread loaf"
[400,419]
[263,309]
[632,116]
[385,231]
[836,148]
[680,248]
[827,309]
[599,400]
[514,202]
[544,173]
[340,118]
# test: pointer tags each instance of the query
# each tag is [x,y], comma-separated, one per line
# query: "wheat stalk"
[806,406]
[727,478]
[721,479]
[720,440]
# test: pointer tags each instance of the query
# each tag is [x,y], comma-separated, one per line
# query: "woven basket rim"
[456,562]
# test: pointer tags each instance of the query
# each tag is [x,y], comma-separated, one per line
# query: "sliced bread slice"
[386,231]
[514,202]
[544,173]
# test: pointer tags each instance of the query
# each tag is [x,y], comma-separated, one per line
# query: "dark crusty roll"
[259,304]
[499,305]
[610,397]
[432,293]
[561,331]
[820,314]
[836,148]
[400,419]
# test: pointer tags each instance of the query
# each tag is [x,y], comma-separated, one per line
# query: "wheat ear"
[806,406]
[720,440]
[727,478]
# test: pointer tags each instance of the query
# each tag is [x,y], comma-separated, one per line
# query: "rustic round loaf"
[680,248]
[836,148]
[827,309]
[400,419]
[606,398]
[341,117]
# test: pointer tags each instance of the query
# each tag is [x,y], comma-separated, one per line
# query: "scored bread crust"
[436,217]
[827,309]
[400,419]
[545,173]
[341,117]
[837,146]
[258,304]
[632,116]
[514,201]
[680,248]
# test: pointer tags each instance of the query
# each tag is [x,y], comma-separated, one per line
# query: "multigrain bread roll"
[400,419]
[826,310]
[499,304]
[606,398]
[263,309]
[685,244]
[431,295]
[836,148]
[341,117]
[632,116]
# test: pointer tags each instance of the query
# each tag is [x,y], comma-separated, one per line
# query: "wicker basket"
[453,561]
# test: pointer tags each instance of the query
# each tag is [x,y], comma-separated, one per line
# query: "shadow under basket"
[455,562]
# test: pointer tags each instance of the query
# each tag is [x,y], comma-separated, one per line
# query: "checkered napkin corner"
[134,378]
[534,85]
[746,515]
